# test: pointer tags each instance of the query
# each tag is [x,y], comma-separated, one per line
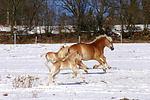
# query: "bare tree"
[77,8]
[146,13]
[3,11]
[131,14]
[31,10]
[49,15]
[12,9]
[101,8]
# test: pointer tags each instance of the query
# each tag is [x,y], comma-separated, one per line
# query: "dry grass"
[72,38]
[25,82]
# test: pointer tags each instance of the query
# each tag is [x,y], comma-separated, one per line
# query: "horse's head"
[77,56]
[63,52]
[102,41]
[108,43]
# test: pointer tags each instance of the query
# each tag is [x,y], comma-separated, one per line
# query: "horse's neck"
[98,44]
[56,55]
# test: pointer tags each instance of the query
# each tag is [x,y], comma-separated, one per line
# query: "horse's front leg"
[100,63]
[49,79]
[76,71]
[53,74]
[54,77]
[104,59]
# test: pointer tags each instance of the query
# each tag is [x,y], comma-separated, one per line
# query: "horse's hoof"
[109,67]
[95,67]
[47,84]
[104,70]
[74,76]
[84,80]
[86,71]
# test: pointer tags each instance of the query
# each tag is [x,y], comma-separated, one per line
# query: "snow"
[39,29]
[128,78]
[6,29]
[139,27]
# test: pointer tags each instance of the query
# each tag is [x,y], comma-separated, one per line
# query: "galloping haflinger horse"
[77,52]
[93,51]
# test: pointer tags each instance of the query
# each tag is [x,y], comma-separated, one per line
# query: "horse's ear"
[62,46]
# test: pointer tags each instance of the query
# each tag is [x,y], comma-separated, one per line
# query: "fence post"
[121,37]
[15,38]
[36,40]
[79,39]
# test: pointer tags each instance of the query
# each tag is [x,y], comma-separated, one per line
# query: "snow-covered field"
[23,74]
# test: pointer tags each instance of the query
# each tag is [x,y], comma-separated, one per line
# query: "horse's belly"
[65,68]
[88,55]
[87,58]
[66,65]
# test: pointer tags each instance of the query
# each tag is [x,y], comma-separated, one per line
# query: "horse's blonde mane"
[100,36]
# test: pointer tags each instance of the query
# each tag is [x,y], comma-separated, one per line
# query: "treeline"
[86,15]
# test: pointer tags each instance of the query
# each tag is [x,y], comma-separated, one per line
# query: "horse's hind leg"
[100,63]
[46,63]
[80,64]
[104,59]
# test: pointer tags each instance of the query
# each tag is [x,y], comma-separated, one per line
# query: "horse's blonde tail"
[43,55]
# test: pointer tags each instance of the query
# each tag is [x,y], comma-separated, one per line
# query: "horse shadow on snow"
[80,83]
[75,83]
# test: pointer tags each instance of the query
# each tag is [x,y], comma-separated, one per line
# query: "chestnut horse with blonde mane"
[93,51]
[68,63]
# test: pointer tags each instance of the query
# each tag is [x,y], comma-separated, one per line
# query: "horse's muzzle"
[112,48]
